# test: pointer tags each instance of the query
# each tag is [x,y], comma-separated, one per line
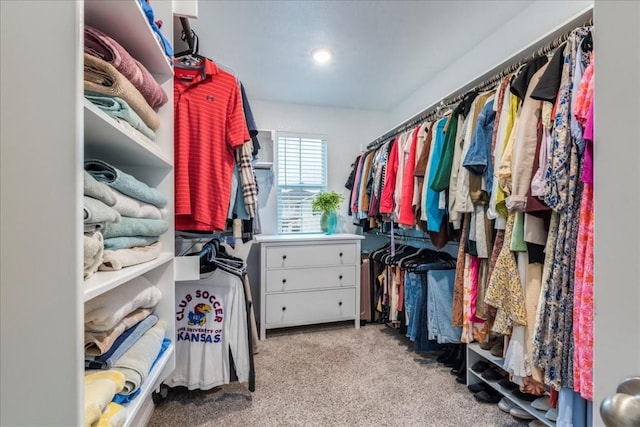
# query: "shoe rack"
[476,354]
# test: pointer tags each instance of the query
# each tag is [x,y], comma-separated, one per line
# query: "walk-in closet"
[319,213]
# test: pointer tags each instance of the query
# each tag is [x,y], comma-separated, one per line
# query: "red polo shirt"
[208,124]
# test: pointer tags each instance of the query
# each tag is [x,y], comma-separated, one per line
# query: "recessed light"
[321,56]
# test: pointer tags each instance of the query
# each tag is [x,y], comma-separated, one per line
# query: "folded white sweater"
[103,312]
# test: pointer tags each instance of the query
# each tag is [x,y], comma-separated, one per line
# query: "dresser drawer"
[309,307]
[310,278]
[310,255]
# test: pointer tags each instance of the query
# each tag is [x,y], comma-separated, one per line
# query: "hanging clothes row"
[413,289]
[508,173]
[215,146]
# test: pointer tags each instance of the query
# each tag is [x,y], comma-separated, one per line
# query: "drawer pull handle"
[340,303]
[284,257]
[284,280]
[284,308]
[340,253]
[340,277]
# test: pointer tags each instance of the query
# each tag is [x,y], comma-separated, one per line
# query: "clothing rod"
[407,237]
[490,78]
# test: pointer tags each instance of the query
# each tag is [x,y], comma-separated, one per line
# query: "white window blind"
[302,174]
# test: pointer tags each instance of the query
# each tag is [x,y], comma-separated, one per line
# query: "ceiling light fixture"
[321,56]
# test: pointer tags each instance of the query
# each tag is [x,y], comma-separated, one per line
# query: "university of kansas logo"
[199,315]
[204,317]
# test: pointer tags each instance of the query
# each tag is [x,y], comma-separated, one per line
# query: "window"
[302,173]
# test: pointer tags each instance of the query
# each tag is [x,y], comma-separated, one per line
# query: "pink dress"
[583,285]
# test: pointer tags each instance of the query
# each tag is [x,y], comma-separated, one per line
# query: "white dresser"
[307,279]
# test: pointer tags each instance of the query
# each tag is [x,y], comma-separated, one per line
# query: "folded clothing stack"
[120,85]
[104,312]
[98,211]
[135,364]
[122,333]
[140,210]
[102,78]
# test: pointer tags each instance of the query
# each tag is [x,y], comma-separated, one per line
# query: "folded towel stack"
[136,363]
[120,85]
[124,183]
[93,247]
[121,345]
[129,214]
[123,339]
[102,46]
[120,110]
[97,212]
[102,78]
[97,344]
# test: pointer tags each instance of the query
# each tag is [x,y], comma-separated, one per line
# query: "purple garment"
[587,165]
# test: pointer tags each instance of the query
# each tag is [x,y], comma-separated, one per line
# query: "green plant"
[327,201]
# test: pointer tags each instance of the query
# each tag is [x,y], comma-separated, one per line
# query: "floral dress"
[553,340]
[505,289]
[583,287]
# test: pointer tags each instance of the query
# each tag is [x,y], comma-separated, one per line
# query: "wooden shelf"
[539,415]
[153,380]
[111,141]
[104,281]
[125,22]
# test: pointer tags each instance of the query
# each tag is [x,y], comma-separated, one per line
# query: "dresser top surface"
[295,238]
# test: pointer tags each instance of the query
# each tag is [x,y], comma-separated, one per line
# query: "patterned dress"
[505,289]
[583,299]
[583,287]
[553,340]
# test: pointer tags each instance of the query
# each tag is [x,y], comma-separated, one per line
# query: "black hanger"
[190,57]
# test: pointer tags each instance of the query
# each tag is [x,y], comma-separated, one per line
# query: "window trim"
[278,187]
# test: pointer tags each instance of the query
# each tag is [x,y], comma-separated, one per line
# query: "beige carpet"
[335,375]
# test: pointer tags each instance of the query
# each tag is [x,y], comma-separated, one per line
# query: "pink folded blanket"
[103,78]
[100,45]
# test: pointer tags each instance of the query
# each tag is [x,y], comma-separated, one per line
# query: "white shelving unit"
[48,130]
[150,161]
[475,354]
[104,281]
[105,137]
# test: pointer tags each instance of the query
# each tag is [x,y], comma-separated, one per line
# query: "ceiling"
[383,50]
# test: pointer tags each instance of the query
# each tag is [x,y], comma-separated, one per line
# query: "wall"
[347,132]
[510,38]
[41,295]
[617,196]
